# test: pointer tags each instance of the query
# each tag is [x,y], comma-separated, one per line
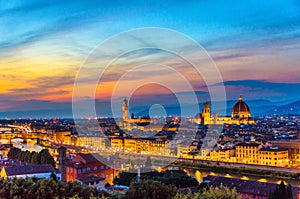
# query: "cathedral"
[240,114]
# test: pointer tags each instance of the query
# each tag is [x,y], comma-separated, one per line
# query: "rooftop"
[29,169]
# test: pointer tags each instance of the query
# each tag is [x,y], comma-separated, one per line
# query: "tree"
[53,176]
[46,157]
[220,192]
[124,178]
[151,190]
[148,162]
[107,185]
[281,192]
[289,192]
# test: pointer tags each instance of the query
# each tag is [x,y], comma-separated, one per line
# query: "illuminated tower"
[125,110]
[206,114]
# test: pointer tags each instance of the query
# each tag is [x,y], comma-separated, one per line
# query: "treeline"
[43,157]
[177,178]
[282,191]
[157,190]
[28,188]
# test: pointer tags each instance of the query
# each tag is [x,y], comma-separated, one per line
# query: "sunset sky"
[255,45]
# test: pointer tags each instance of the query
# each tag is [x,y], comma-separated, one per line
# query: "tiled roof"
[273,149]
[245,186]
[91,157]
[29,169]
[248,144]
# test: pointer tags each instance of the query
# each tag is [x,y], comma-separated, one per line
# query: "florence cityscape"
[150,99]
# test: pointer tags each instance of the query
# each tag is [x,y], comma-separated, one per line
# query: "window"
[95,168]
[88,169]
[102,167]
[79,171]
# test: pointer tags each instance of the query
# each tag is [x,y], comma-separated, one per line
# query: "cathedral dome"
[240,109]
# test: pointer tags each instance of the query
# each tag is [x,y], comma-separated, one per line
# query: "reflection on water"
[199,175]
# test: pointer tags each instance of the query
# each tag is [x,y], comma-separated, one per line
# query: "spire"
[240,98]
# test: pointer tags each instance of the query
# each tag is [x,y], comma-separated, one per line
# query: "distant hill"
[291,108]
[258,107]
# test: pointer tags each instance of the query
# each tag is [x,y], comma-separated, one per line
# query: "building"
[240,114]
[247,188]
[273,156]
[91,181]
[29,170]
[293,147]
[254,153]
[91,164]
[125,110]
[224,155]
[138,145]
[247,153]
[206,114]
[62,159]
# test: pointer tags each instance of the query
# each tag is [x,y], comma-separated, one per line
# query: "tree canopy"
[43,157]
[28,188]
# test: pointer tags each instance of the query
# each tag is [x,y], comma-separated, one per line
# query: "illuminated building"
[240,114]
[206,114]
[273,156]
[125,110]
[224,155]
[247,153]
[84,165]
[116,143]
[138,145]
[254,153]
[293,146]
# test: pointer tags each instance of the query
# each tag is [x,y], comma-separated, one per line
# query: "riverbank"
[238,171]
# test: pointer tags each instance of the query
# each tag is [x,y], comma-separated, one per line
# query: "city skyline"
[254,45]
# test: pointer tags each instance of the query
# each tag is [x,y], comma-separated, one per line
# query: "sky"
[255,46]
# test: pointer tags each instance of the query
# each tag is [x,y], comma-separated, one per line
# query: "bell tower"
[206,114]
[125,110]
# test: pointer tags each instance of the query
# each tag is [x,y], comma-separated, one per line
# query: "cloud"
[254,89]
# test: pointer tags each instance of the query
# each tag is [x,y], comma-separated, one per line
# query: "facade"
[125,110]
[254,153]
[206,114]
[273,157]
[293,147]
[224,155]
[240,114]
[247,153]
[138,145]
[84,165]
[31,170]
[91,181]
